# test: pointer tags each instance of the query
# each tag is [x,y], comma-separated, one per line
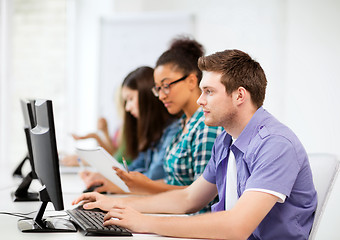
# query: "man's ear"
[240,95]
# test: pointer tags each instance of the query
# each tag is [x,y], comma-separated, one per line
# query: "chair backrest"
[325,168]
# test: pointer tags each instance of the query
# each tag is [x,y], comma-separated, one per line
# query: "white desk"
[72,187]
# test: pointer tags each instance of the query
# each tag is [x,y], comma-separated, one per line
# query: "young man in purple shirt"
[258,168]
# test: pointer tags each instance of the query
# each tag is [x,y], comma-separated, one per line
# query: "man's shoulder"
[271,132]
[269,126]
[275,137]
[274,129]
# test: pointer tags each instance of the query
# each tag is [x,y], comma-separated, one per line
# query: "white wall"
[83,66]
[33,66]
[296,42]
[5,11]
[312,104]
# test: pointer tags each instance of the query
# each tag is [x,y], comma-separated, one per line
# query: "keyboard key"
[91,222]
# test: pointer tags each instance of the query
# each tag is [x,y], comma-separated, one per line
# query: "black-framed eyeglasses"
[166,87]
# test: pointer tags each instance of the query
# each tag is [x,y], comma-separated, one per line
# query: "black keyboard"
[91,222]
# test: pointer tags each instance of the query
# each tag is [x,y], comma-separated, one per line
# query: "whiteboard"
[130,41]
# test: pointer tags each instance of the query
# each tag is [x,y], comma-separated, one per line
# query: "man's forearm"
[166,202]
[187,200]
[217,225]
[155,187]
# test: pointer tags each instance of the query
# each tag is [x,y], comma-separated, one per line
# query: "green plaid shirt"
[189,153]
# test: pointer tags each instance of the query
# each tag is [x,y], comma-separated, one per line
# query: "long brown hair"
[139,134]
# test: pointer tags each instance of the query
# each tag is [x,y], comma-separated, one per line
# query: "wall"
[313,54]
[83,62]
[5,10]
[35,66]
[296,43]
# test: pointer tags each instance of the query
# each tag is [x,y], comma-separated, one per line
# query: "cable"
[25,215]
[16,215]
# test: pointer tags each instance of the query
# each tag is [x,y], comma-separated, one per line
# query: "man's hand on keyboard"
[96,200]
[127,217]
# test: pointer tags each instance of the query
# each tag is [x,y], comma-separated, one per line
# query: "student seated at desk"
[259,168]
[177,78]
[148,130]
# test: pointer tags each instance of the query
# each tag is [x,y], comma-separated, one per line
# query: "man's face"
[218,107]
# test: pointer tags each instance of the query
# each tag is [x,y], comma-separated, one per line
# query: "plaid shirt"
[189,153]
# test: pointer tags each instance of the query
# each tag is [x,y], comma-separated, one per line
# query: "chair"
[325,168]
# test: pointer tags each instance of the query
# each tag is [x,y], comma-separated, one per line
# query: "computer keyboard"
[91,222]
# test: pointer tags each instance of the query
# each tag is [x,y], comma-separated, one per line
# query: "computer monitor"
[22,193]
[28,110]
[46,164]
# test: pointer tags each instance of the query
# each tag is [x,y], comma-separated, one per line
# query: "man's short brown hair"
[238,69]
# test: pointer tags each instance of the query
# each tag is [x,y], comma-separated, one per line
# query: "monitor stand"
[18,171]
[39,224]
[22,193]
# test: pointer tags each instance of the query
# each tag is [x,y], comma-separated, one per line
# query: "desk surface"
[72,187]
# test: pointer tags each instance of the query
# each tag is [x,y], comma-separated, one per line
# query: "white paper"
[103,162]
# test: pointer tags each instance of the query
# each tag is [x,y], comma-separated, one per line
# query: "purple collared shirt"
[268,156]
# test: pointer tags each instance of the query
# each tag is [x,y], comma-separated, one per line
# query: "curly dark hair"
[183,54]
